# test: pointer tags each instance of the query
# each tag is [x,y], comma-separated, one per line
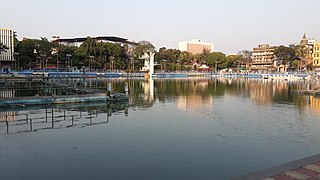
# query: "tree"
[185,57]
[245,57]
[234,60]
[285,54]
[34,52]
[218,59]
[140,49]
[296,64]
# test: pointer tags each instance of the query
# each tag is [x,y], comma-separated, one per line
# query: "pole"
[46,115]
[57,62]
[7,124]
[30,124]
[52,116]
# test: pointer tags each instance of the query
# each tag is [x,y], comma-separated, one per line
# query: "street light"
[68,60]
[16,58]
[42,58]
[91,57]
[112,63]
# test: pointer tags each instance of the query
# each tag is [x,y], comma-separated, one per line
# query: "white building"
[7,39]
[195,46]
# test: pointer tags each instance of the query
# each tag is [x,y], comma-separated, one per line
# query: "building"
[78,41]
[195,46]
[316,55]
[307,48]
[263,58]
[7,55]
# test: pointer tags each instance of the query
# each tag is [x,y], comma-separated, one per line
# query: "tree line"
[43,54]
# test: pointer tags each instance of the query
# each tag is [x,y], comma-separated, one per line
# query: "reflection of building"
[7,39]
[149,90]
[195,103]
[263,92]
[315,103]
[7,93]
[263,57]
[8,116]
[195,46]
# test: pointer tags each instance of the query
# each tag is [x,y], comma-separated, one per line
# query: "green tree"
[139,50]
[285,54]
[218,59]
[245,57]
[296,64]
[34,52]
[186,58]
[234,61]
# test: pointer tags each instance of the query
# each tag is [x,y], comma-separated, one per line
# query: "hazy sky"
[232,25]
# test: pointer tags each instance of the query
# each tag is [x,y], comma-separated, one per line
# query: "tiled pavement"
[308,172]
[307,168]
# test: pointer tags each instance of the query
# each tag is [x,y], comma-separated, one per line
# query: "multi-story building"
[195,46]
[307,48]
[316,55]
[263,58]
[7,56]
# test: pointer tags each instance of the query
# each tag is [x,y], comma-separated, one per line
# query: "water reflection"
[173,129]
[34,118]
[195,95]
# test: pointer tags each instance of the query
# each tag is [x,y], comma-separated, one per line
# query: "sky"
[231,25]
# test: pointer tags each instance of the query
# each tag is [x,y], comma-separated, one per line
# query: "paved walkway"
[309,172]
[303,169]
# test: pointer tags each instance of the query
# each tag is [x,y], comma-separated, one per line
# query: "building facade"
[195,46]
[7,56]
[307,48]
[316,55]
[263,58]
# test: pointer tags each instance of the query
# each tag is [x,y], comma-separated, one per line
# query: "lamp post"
[16,58]
[57,61]
[105,62]
[68,60]
[130,70]
[112,63]
[43,59]
[91,57]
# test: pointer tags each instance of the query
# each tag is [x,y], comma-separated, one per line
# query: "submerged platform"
[42,100]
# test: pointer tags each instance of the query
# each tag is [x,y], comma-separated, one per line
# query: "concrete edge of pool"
[305,168]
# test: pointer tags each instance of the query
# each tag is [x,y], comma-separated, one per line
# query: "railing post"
[7,124]
[46,115]
[30,124]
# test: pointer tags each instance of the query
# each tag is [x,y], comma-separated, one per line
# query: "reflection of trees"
[260,91]
[186,87]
